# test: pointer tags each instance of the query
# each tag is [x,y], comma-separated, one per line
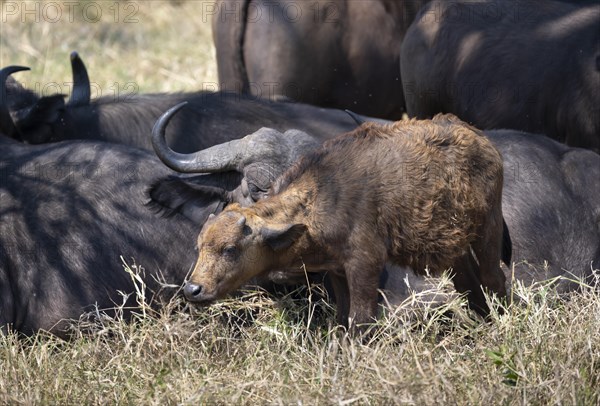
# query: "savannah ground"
[545,349]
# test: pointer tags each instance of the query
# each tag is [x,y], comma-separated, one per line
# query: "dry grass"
[145,46]
[544,350]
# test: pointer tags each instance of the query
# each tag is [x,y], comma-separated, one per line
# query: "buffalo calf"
[423,194]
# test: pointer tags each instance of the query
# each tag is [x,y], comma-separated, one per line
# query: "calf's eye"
[230,251]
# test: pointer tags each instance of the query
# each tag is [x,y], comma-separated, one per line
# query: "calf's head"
[227,177]
[234,247]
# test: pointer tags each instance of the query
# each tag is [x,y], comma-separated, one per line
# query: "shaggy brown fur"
[416,193]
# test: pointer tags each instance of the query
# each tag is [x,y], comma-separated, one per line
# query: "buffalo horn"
[358,119]
[7,126]
[81,82]
[224,157]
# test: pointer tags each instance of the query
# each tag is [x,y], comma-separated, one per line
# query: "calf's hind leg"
[466,280]
[488,250]
[483,271]
[342,297]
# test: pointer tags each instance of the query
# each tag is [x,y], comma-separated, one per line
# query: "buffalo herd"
[510,170]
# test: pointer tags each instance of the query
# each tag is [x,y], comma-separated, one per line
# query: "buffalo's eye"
[230,251]
[254,188]
[257,192]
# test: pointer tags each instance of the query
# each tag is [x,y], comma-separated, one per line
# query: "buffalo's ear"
[36,123]
[186,196]
[282,237]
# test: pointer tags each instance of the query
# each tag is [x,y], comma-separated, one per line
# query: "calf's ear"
[279,238]
[193,198]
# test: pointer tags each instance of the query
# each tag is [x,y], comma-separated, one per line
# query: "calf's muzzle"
[192,292]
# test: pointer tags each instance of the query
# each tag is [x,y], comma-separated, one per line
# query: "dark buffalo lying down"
[212,118]
[550,195]
[68,211]
[551,191]
[532,66]
[339,53]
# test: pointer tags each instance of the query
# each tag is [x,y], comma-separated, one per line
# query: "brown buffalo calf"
[423,194]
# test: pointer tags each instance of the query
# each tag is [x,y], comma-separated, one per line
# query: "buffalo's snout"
[192,292]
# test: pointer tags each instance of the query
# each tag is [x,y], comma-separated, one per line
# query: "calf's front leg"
[363,282]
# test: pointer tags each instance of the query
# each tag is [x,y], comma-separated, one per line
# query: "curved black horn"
[7,125]
[223,157]
[81,82]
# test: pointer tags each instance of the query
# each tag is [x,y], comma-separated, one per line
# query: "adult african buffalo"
[68,211]
[550,195]
[532,66]
[212,118]
[338,53]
